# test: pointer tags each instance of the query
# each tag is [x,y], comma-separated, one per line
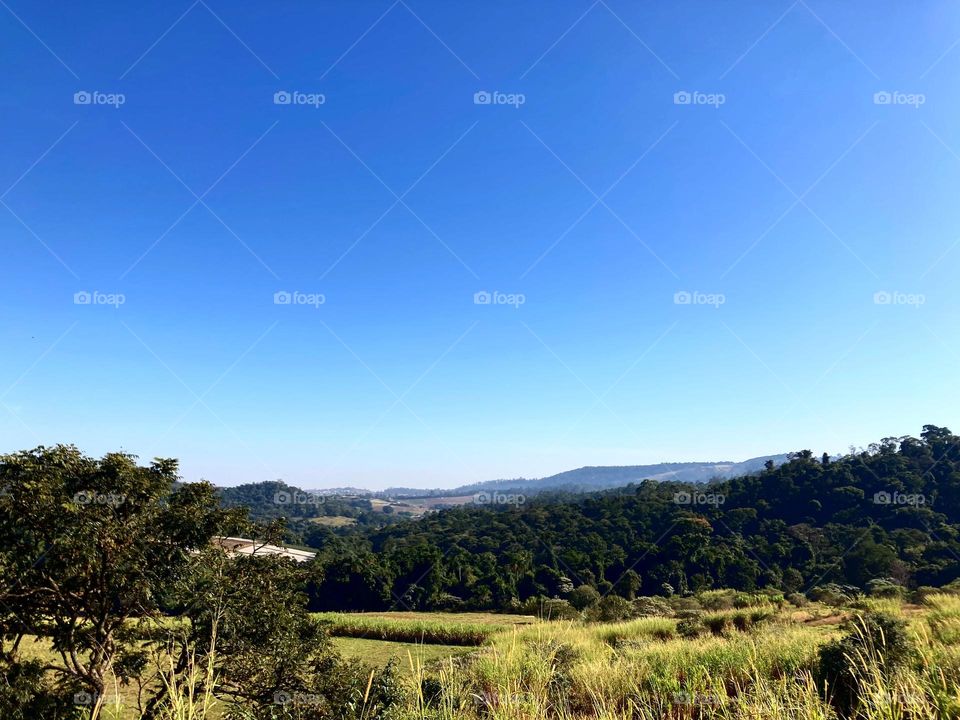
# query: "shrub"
[877,640]
[834,594]
[885,588]
[921,594]
[25,693]
[747,600]
[691,627]
[716,599]
[652,607]
[797,599]
[684,604]
[717,624]
[611,608]
[774,597]
[446,601]
[583,597]
[552,609]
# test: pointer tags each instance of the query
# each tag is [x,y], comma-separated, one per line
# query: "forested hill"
[890,511]
[588,479]
[274,499]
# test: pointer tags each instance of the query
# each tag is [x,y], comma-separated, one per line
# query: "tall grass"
[642,670]
[423,630]
[569,671]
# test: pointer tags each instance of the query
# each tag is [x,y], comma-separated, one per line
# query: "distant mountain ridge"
[603,477]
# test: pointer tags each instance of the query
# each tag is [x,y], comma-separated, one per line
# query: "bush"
[921,594]
[797,599]
[747,600]
[583,597]
[717,624]
[551,609]
[652,607]
[691,627]
[611,608]
[716,599]
[885,588]
[684,604]
[25,693]
[834,594]
[446,601]
[875,639]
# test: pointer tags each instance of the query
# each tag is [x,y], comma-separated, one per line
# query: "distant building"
[246,546]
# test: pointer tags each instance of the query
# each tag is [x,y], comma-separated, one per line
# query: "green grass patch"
[425,628]
[379,652]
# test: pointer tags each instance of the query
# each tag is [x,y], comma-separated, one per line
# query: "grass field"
[380,652]
[470,629]
[485,666]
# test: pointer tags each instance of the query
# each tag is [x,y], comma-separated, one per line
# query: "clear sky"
[622,158]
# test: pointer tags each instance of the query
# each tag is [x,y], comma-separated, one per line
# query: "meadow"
[486,666]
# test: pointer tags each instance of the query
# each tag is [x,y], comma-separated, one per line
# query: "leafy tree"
[88,547]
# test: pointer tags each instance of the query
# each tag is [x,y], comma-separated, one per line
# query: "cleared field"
[500,620]
[469,629]
[333,521]
[379,652]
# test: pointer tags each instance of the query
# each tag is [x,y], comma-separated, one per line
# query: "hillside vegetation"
[888,513]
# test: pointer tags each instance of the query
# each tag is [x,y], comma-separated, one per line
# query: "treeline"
[890,511]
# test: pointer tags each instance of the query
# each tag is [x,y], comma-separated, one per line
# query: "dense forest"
[891,511]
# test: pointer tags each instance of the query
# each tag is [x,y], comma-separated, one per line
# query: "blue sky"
[811,222]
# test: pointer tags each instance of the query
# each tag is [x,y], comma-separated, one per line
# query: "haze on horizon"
[364,244]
